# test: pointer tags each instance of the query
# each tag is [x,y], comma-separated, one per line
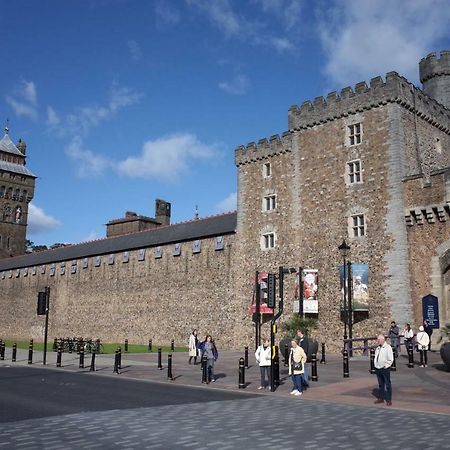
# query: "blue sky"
[124,101]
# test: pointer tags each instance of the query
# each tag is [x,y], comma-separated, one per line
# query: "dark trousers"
[384,384]
[265,371]
[423,357]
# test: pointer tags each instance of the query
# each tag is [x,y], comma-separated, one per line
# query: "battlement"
[395,89]
[433,65]
[265,148]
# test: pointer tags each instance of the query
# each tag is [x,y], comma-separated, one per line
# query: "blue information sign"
[430,310]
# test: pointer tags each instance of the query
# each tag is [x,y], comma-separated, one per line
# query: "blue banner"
[430,310]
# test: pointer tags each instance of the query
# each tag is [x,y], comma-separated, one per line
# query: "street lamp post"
[344,249]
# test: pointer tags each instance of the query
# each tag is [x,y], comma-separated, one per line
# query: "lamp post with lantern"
[344,248]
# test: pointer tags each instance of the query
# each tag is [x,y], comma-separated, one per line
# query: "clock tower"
[16,192]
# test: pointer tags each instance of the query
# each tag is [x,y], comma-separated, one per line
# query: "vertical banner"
[310,280]
[430,310]
[360,285]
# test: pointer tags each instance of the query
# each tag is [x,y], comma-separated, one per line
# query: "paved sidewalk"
[418,389]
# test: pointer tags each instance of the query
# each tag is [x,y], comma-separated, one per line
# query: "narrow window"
[269,202]
[358,225]
[354,171]
[268,241]
[354,133]
[267,170]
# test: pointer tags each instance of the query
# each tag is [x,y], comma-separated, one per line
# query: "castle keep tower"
[16,192]
[435,77]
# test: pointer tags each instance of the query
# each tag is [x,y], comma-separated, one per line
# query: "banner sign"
[310,280]
[360,285]
[430,310]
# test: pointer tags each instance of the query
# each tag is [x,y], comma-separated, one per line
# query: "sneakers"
[213,380]
[261,387]
[380,400]
[298,393]
[388,403]
[294,392]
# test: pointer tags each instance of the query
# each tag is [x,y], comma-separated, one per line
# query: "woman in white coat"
[193,347]
[262,356]
[423,341]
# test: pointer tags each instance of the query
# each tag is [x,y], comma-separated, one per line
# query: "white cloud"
[166,14]
[92,236]
[365,39]
[287,11]
[282,44]
[52,117]
[237,86]
[227,204]
[135,50]
[88,162]
[39,221]
[80,122]
[167,157]
[253,30]
[24,100]
[221,14]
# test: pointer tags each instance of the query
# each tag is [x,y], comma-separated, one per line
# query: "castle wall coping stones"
[396,89]
[219,225]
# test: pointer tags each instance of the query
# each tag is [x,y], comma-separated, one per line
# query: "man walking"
[383,361]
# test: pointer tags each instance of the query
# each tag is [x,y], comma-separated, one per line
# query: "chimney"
[162,212]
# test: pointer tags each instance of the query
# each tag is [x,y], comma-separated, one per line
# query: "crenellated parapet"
[395,89]
[264,149]
[433,65]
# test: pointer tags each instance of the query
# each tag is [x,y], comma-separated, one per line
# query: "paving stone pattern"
[254,423]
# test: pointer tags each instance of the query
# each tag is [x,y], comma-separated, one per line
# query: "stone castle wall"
[159,299]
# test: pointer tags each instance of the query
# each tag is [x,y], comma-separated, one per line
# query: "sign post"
[430,310]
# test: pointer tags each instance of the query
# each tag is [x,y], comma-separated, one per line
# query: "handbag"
[297,365]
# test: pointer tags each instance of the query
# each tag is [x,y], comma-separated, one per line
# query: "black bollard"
[241,373]
[276,367]
[55,344]
[394,362]
[372,360]
[120,357]
[92,368]
[150,344]
[410,355]
[59,356]
[246,357]
[159,359]
[322,359]
[70,342]
[169,367]
[314,376]
[205,370]
[116,361]
[2,352]
[286,355]
[30,352]
[14,353]
[172,345]
[346,367]
[81,365]
[126,345]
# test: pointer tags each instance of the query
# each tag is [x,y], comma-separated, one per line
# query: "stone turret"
[435,77]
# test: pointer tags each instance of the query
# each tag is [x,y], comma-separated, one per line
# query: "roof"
[15,168]
[186,231]
[8,146]
[133,219]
